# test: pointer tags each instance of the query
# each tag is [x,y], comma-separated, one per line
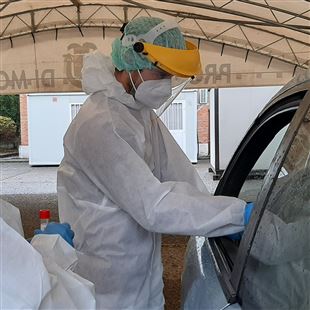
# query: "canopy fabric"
[242,42]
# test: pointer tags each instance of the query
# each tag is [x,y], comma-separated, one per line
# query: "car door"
[276,270]
[241,268]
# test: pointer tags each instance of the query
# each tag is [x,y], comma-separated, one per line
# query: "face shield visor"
[177,62]
[176,90]
[182,63]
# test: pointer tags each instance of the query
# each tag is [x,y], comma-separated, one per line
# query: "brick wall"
[203,124]
[23,120]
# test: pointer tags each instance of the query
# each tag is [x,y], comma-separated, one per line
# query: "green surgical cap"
[125,58]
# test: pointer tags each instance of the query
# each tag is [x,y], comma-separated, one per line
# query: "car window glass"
[277,274]
[252,185]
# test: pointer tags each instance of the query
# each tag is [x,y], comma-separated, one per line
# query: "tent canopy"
[242,42]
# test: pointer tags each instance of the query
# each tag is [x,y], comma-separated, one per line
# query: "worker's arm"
[116,169]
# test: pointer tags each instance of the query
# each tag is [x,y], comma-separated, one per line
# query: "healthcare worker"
[123,180]
[38,275]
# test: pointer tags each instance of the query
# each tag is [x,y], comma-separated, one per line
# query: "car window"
[277,273]
[243,178]
[253,156]
[253,183]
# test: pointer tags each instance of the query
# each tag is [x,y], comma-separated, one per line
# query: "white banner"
[52,61]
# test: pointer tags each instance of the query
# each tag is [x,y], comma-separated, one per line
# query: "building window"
[173,116]
[203,96]
[75,108]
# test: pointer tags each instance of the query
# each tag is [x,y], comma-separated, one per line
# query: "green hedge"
[7,130]
[9,107]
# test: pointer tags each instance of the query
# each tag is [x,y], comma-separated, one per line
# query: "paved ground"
[20,178]
[17,178]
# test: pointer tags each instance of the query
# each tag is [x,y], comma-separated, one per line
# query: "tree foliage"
[9,107]
[7,130]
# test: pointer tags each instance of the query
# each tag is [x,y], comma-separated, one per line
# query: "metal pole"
[216,130]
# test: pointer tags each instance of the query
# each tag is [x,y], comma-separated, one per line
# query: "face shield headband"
[181,63]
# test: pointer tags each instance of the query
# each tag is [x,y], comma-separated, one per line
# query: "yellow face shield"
[182,63]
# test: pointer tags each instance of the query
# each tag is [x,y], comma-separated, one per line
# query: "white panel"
[174,118]
[238,108]
[48,119]
[190,115]
[75,108]
[184,130]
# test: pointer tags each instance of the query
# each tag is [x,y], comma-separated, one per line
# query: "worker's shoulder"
[93,108]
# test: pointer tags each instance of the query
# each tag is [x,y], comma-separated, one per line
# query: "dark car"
[270,267]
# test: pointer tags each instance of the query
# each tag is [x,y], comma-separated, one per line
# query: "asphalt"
[34,188]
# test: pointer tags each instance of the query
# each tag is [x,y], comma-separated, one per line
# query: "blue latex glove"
[247,212]
[247,215]
[64,230]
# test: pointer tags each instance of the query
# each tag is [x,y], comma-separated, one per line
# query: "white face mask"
[153,93]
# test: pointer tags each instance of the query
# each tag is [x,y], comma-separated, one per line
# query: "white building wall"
[190,115]
[49,116]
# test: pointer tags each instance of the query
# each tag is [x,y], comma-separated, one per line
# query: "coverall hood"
[98,76]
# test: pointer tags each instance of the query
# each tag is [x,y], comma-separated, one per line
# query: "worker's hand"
[64,230]
[246,216]
[247,212]
[235,236]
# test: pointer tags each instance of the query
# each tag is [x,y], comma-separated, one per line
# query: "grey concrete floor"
[17,178]
[20,178]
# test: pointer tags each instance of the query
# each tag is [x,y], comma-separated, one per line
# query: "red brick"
[203,124]
[23,119]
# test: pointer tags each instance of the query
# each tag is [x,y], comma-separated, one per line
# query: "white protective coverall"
[122,182]
[38,275]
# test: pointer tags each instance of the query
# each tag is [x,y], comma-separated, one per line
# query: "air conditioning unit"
[203,96]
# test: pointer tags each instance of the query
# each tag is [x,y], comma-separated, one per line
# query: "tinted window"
[277,274]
